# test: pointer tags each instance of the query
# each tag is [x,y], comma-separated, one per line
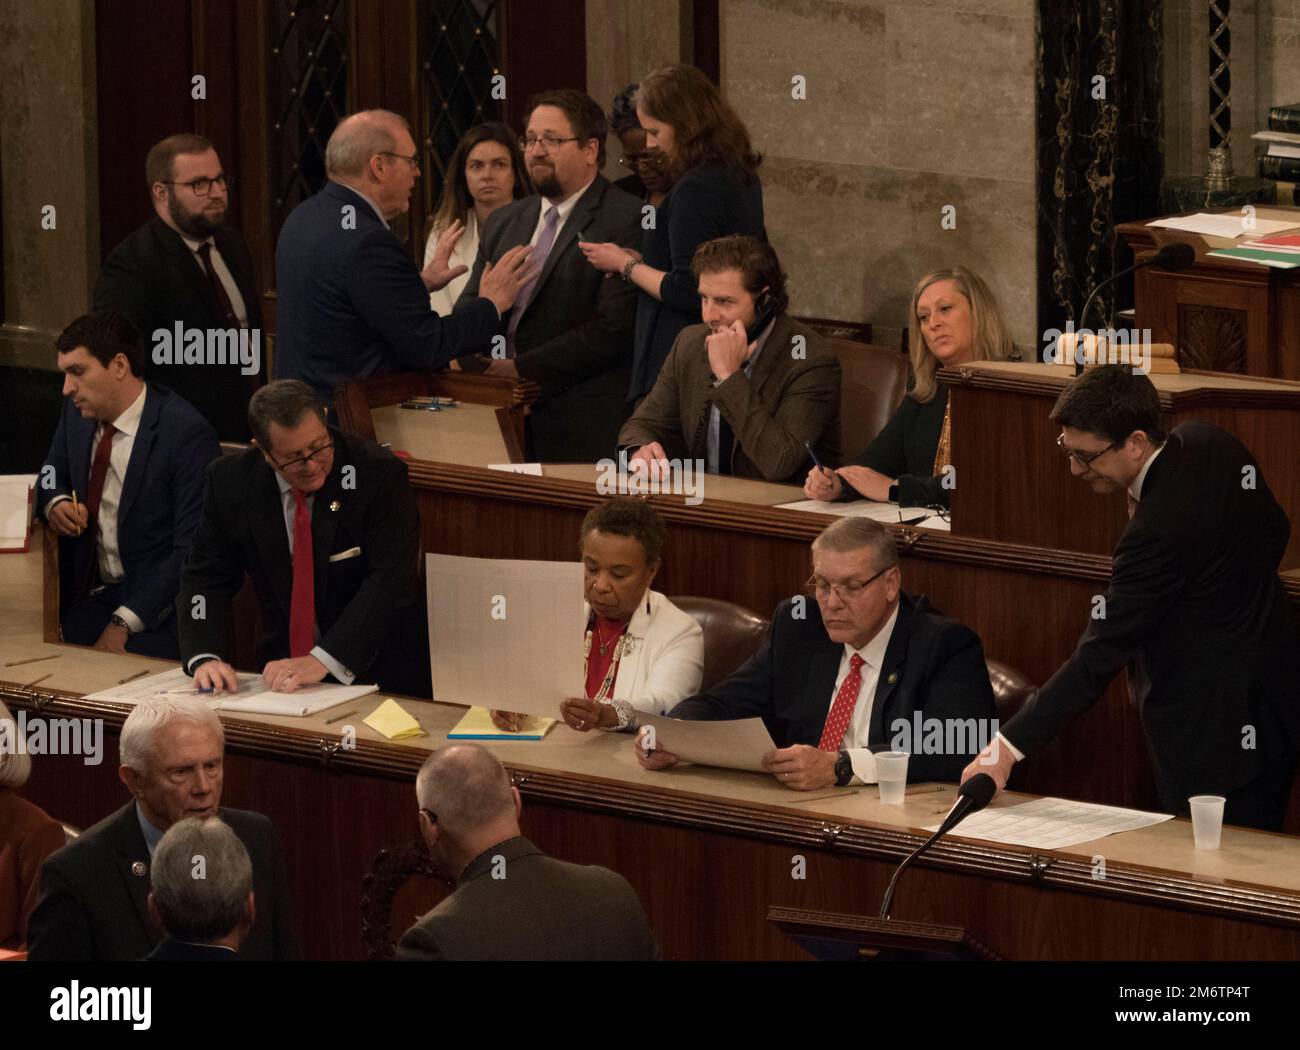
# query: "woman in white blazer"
[486,172]
[641,652]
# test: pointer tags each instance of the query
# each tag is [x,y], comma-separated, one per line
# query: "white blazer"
[443,300]
[666,661]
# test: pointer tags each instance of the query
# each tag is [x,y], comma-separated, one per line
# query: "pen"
[39,680]
[75,508]
[133,677]
[339,718]
[816,462]
[923,790]
[33,660]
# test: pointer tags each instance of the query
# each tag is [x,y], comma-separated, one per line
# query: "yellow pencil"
[75,508]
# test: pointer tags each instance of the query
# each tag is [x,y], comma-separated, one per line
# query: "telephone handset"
[764,311]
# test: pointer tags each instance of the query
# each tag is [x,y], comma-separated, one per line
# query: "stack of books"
[1281,160]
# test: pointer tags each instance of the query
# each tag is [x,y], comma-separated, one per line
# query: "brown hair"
[990,340]
[455,203]
[160,164]
[624,516]
[707,130]
[756,260]
[583,114]
[846,535]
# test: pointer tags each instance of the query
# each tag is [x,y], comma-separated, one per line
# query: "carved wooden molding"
[390,872]
[1212,338]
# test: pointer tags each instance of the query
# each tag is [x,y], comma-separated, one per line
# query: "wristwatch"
[629,266]
[117,621]
[843,769]
[893,492]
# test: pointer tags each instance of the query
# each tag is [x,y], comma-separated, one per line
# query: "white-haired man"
[94,891]
[202,896]
[350,301]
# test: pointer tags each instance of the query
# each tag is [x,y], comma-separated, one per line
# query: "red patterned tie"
[837,722]
[98,471]
[302,608]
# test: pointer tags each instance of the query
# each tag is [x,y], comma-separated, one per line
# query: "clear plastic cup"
[891,775]
[1207,819]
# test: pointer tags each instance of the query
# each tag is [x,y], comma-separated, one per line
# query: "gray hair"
[466,787]
[135,746]
[15,768]
[845,535]
[201,878]
[283,402]
[358,138]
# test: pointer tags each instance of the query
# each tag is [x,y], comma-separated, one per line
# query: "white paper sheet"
[737,744]
[533,469]
[1229,225]
[15,509]
[1053,823]
[887,513]
[252,698]
[505,634]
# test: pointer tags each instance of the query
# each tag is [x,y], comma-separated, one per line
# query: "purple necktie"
[545,242]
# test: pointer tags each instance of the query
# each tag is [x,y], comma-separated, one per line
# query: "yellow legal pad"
[391,719]
[477,725]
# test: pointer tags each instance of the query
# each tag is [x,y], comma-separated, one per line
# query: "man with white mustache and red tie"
[325,524]
[837,675]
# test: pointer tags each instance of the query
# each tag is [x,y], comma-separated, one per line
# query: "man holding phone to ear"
[745,390]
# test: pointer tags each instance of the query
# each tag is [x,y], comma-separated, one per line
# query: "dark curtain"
[1099,160]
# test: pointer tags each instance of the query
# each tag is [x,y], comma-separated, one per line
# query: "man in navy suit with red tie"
[122,485]
[325,524]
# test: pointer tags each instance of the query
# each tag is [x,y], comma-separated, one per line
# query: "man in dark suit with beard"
[570,331]
[326,526]
[94,902]
[186,266]
[1194,606]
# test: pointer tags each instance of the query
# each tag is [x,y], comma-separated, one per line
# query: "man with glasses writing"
[1194,607]
[186,266]
[326,526]
[844,671]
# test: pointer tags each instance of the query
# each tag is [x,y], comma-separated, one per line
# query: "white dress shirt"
[443,301]
[223,275]
[715,417]
[857,736]
[107,552]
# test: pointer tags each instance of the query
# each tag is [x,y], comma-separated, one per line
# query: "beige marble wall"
[627,40]
[1265,63]
[48,157]
[910,107]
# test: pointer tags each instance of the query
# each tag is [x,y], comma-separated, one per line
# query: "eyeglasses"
[302,461]
[551,142]
[846,591]
[412,160]
[1085,459]
[651,156]
[433,817]
[203,186]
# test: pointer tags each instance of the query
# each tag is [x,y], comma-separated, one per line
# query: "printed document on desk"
[1053,823]
[886,513]
[505,634]
[252,697]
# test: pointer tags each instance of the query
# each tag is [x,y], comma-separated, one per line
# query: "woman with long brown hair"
[716,192]
[955,319]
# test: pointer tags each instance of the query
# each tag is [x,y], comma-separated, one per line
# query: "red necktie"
[98,470]
[837,722]
[218,289]
[302,607]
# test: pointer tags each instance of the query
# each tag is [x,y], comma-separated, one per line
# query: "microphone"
[1177,256]
[972,796]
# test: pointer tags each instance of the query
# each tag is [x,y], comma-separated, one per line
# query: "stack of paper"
[16,491]
[1231,225]
[252,696]
[1053,823]
[477,725]
[888,513]
[1281,252]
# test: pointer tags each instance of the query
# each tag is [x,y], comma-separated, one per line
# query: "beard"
[199,225]
[546,183]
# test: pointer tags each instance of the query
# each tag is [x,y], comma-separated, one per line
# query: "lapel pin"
[893,677]
[334,505]
[139,868]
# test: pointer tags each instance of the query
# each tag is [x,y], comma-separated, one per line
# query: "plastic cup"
[1207,819]
[891,775]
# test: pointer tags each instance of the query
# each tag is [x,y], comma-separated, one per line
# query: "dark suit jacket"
[93,904]
[365,604]
[27,836]
[575,337]
[1194,600]
[709,201]
[161,500]
[783,403]
[933,665]
[155,280]
[544,910]
[350,302]
[905,450]
[169,950]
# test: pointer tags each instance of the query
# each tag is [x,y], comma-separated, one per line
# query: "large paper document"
[737,744]
[16,494]
[887,513]
[505,634]
[1053,823]
[252,697]
[1231,225]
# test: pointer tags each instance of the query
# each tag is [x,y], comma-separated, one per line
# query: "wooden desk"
[1222,314]
[709,851]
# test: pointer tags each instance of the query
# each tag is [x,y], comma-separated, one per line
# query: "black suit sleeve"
[887,455]
[749,692]
[56,465]
[284,939]
[392,531]
[213,571]
[57,930]
[698,214]
[1146,580]
[122,286]
[419,945]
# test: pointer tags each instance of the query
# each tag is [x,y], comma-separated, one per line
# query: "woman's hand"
[868,482]
[607,256]
[582,714]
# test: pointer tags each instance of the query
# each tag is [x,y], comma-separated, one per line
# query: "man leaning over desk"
[839,678]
